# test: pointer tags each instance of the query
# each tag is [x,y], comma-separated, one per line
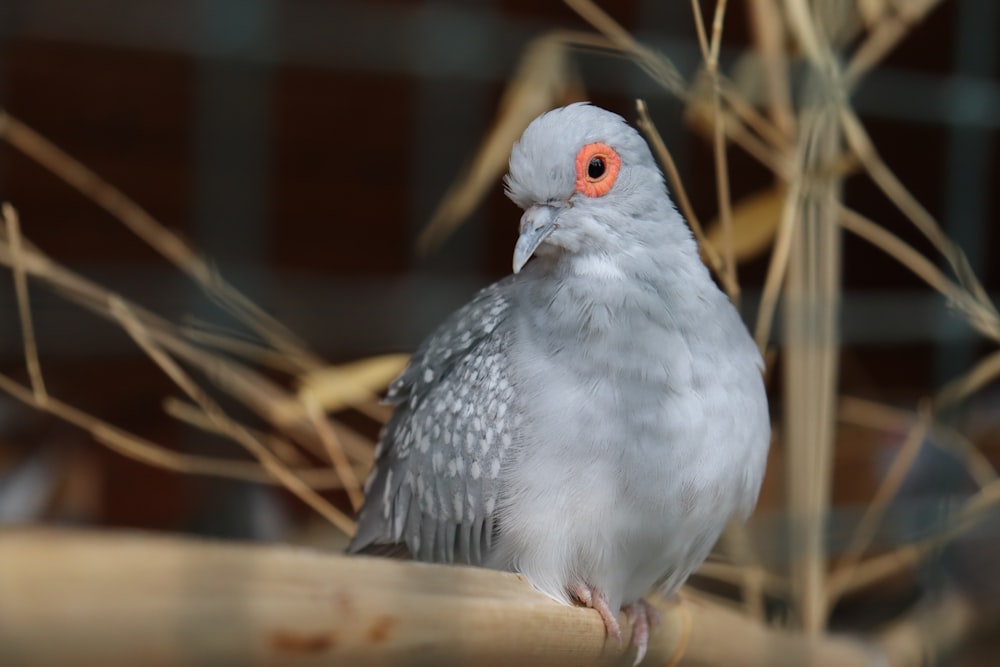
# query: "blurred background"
[303,145]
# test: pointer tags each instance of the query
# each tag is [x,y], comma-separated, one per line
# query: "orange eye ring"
[597,167]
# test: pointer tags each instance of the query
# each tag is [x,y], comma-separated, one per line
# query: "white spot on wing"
[386,494]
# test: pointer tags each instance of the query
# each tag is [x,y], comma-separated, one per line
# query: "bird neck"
[600,296]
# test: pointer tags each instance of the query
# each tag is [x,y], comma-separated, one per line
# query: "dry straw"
[800,218]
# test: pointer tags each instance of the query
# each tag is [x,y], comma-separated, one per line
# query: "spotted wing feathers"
[436,479]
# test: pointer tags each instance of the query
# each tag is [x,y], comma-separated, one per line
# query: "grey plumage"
[437,478]
[593,420]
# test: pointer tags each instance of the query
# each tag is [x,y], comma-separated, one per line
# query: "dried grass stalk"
[237,432]
[156,235]
[869,414]
[769,38]
[545,78]
[864,533]
[873,570]
[272,402]
[812,295]
[13,229]
[724,200]
[144,451]
[707,247]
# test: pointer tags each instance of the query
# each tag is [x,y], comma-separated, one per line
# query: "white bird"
[593,420]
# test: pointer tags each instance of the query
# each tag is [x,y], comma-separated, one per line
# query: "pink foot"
[644,617]
[589,597]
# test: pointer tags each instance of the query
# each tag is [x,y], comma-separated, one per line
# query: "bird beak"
[537,223]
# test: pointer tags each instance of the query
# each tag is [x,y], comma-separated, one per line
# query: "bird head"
[587,183]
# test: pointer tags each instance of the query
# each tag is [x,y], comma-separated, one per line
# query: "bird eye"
[597,167]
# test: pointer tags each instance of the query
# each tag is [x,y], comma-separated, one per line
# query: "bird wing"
[435,484]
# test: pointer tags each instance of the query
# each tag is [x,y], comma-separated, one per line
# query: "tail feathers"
[397,551]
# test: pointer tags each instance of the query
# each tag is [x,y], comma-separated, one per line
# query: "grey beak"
[537,223]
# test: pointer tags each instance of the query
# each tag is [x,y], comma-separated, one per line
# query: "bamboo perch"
[83,598]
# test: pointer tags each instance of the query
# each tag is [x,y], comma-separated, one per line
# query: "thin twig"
[878,416]
[881,567]
[803,24]
[778,265]
[257,392]
[724,199]
[738,132]
[662,70]
[335,450]
[715,261]
[158,237]
[233,429]
[699,25]
[142,450]
[769,39]
[13,227]
[245,349]
[723,196]
[284,449]
[753,119]
[734,574]
[985,371]
[901,465]
[861,143]
[884,37]
[982,317]
[717,21]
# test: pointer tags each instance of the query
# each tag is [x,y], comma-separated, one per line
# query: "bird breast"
[640,413]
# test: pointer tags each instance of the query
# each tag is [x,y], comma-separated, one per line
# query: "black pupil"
[596,167]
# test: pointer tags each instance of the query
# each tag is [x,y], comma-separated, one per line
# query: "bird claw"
[644,617]
[593,599]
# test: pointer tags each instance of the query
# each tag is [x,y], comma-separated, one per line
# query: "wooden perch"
[79,598]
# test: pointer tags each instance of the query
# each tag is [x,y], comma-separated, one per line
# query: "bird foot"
[589,597]
[644,617]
